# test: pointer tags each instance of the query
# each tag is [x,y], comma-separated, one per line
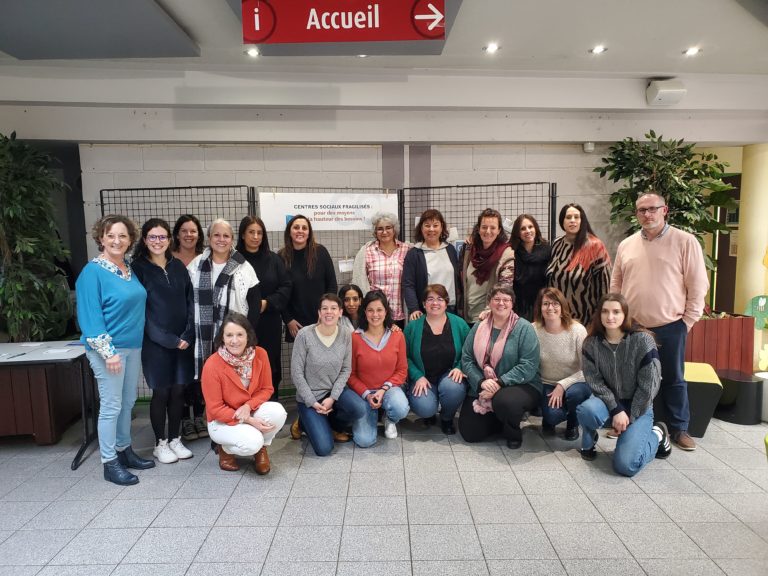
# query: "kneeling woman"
[237,386]
[379,368]
[321,363]
[621,366]
[501,359]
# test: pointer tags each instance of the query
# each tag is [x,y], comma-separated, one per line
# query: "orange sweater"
[224,393]
[371,368]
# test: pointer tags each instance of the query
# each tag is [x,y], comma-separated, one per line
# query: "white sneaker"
[390,428]
[181,451]
[164,454]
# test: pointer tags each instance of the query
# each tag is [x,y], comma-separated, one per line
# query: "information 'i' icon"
[256,24]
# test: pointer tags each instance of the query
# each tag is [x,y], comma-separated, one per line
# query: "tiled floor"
[423,504]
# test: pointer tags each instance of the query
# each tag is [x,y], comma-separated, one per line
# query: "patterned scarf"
[485,356]
[485,259]
[242,364]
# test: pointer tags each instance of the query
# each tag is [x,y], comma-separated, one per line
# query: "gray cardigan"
[631,373]
[316,369]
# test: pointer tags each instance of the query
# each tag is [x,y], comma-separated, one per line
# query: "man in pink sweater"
[660,271]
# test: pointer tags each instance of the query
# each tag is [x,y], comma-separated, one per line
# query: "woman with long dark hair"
[351,297]
[532,255]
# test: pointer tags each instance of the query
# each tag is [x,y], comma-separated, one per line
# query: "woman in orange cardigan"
[237,386]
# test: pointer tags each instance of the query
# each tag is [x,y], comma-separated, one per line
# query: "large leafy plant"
[34,298]
[690,181]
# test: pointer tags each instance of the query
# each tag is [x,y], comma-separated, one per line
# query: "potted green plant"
[34,298]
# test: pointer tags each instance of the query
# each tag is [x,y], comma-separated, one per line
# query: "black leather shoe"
[572,434]
[547,430]
[514,444]
[447,427]
[117,474]
[427,422]
[129,459]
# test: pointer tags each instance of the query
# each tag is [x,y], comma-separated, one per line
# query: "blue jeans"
[447,393]
[636,446]
[674,389]
[574,395]
[117,393]
[395,406]
[319,428]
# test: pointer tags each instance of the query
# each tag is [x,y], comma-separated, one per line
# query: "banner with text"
[336,211]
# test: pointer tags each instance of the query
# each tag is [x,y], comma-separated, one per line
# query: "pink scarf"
[242,364]
[486,357]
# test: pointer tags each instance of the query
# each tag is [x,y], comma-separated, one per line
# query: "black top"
[530,277]
[274,280]
[306,290]
[437,351]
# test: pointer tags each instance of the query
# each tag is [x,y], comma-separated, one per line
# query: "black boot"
[129,459]
[116,473]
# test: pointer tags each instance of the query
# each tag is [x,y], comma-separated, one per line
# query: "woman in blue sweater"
[110,310]
[169,331]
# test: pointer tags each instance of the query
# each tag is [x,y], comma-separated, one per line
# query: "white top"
[561,355]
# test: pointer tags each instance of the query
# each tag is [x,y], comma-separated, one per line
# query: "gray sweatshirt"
[318,370]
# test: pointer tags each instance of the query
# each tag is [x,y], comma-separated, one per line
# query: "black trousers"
[509,405]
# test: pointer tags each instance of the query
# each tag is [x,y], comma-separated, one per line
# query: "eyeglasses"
[157,237]
[385,229]
[649,210]
[550,304]
[498,300]
[433,299]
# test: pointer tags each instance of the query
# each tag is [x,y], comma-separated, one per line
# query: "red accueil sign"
[309,21]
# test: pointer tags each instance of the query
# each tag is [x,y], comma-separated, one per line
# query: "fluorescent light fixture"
[692,51]
[599,49]
[253,52]
[491,48]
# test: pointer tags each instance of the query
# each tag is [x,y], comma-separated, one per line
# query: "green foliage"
[34,297]
[691,183]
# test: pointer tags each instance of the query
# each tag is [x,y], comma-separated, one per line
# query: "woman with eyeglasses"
[434,342]
[500,358]
[560,341]
[169,330]
[379,263]
[580,266]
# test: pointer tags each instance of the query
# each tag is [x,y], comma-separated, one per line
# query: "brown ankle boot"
[296,429]
[261,461]
[227,462]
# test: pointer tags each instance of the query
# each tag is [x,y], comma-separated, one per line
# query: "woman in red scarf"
[488,261]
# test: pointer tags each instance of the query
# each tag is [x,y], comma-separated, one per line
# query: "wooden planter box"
[723,343]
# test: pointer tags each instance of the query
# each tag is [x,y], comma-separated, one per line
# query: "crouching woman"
[237,386]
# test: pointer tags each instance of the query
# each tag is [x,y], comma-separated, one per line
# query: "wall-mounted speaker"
[664,92]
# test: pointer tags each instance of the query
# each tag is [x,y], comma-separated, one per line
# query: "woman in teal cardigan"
[434,342]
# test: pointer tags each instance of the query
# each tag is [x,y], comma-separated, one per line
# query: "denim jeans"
[244,439]
[395,406]
[574,395]
[674,389]
[447,393]
[117,394]
[319,428]
[636,446]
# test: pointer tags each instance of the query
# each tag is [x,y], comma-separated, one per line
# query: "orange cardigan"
[370,369]
[224,393]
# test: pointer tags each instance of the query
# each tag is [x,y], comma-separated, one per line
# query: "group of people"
[505,327]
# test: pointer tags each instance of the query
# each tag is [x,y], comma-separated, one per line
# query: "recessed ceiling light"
[491,48]
[692,51]
[599,49]
[362,55]
[253,52]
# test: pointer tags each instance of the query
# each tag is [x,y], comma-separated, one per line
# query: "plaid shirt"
[385,273]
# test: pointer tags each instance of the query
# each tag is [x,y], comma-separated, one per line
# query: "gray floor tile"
[128,514]
[758,476]
[676,567]
[13,515]
[515,541]
[33,546]
[585,541]
[182,468]
[426,443]
[153,568]
[40,489]
[256,511]
[692,508]
[333,464]
[426,483]
[189,513]
[564,508]
[482,461]
[532,440]
[613,566]
[621,507]
[723,481]
[62,468]
[450,568]
[520,460]
[383,446]
[747,507]
[104,546]
[312,485]
[182,547]
[319,511]
[386,483]
[376,462]
[219,486]
[218,544]
[740,457]
[573,461]
[278,482]
[385,509]
[77,570]
[317,543]
[526,568]
[604,481]
[438,510]
[501,509]
[547,482]
[377,543]
[400,568]
[489,483]
[223,568]
[66,514]
[150,487]
[721,540]
[25,571]
[25,467]
[95,488]
[8,483]
[656,540]
[759,528]
[742,567]
[434,461]
[5,534]
[717,437]
[664,482]
[697,460]
[445,543]
[283,568]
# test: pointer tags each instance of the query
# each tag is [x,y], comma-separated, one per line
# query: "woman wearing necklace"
[110,309]
[532,254]
[621,366]
[169,330]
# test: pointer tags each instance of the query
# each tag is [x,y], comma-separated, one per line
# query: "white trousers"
[244,439]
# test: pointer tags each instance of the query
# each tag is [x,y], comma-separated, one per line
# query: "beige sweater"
[561,355]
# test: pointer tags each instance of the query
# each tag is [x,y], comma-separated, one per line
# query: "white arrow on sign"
[436,16]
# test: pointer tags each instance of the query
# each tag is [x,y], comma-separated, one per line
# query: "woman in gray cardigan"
[320,366]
